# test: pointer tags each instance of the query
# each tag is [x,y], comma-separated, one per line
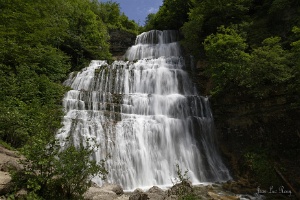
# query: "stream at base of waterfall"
[145,115]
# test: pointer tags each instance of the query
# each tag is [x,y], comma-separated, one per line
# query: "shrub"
[52,173]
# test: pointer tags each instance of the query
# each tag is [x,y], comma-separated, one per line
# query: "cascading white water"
[146,116]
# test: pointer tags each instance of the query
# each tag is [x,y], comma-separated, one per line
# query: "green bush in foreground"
[52,173]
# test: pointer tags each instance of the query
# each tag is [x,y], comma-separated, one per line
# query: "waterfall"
[145,115]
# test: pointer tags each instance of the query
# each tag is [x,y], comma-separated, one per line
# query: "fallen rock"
[21,194]
[105,192]
[9,160]
[11,165]
[5,183]
[153,196]
[138,194]
[156,190]
[156,193]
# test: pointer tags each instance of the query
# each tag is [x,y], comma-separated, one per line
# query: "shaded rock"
[11,165]
[138,194]
[172,197]
[8,152]
[9,160]
[5,183]
[21,194]
[156,193]
[153,196]
[156,190]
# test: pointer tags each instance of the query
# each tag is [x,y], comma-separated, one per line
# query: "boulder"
[156,193]
[11,165]
[5,183]
[156,190]
[21,194]
[138,194]
[106,192]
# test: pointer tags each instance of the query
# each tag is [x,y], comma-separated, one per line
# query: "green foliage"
[111,15]
[261,168]
[181,177]
[40,43]
[171,15]
[268,70]
[295,59]
[181,182]
[149,22]
[52,173]
[273,18]
[263,72]
[228,60]
[206,16]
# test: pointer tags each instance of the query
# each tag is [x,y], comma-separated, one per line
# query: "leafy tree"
[87,36]
[295,52]
[228,60]
[108,11]
[111,15]
[171,15]
[268,70]
[264,72]
[206,16]
[40,42]
[149,22]
[273,18]
[52,173]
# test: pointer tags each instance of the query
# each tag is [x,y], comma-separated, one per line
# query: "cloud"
[152,10]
